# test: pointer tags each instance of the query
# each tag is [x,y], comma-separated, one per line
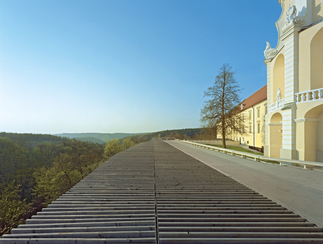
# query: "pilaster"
[266,147]
[291,51]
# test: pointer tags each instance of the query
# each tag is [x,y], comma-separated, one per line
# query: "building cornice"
[306,120]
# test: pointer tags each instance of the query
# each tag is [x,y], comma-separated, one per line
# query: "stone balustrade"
[277,105]
[309,96]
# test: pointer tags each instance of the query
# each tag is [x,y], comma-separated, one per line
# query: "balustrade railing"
[309,96]
[277,105]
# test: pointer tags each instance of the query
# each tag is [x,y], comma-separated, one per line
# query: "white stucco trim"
[306,120]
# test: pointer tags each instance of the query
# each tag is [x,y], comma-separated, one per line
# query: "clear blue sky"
[124,65]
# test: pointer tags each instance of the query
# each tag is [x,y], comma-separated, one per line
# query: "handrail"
[256,157]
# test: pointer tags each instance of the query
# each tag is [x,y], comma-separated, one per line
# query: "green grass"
[237,148]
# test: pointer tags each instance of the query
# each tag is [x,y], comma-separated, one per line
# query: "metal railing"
[256,157]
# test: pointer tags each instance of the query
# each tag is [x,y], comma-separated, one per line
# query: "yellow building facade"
[294,122]
[252,112]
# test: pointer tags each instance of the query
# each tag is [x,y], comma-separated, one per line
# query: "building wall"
[294,126]
[310,58]
[317,12]
[254,126]
[319,138]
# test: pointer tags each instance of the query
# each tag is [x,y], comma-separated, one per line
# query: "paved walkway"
[154,193]
[297,189]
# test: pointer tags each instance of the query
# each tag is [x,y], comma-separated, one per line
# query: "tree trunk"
[223,129]
[222,113]
[223,137]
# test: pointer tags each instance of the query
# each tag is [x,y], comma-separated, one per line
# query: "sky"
[108,66]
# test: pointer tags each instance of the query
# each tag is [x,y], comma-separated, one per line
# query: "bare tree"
[221,110]
[211,130]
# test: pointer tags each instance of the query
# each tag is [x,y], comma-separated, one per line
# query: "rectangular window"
[249,128]
[258,112]
[266,110]
[250,115]
[258,126]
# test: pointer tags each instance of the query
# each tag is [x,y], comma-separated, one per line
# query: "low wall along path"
[154,193]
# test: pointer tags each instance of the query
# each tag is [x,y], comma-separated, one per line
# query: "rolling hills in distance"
[100,138]
[32,140]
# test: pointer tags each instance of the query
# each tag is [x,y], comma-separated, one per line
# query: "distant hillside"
[178,134]
[91,139]
[100,138]
[31,140]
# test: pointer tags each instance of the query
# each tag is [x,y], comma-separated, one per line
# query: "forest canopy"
[36,169]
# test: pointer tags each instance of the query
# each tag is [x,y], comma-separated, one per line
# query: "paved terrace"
[155,193]
[297,189]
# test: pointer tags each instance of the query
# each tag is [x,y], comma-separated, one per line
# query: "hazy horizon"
[110,66]
[97,132]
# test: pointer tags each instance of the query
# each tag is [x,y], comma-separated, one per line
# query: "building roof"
[255,98]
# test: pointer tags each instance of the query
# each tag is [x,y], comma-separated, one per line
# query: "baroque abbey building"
[294,118]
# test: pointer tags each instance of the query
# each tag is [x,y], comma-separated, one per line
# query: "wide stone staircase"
[154,193]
